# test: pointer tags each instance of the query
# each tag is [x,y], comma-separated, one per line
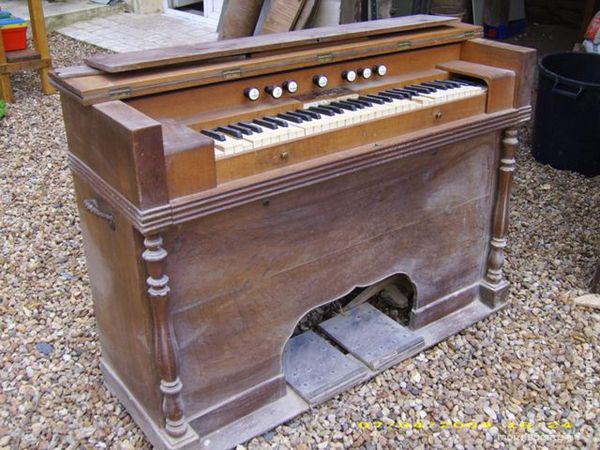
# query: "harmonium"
[231,192]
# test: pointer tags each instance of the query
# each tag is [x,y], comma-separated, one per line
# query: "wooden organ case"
[228,189]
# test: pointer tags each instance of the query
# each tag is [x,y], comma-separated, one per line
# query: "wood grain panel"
[278,16]
[189,160]
[500,82]
[427,215]
[521,60]
[120,305]
[208,103]
[113,132]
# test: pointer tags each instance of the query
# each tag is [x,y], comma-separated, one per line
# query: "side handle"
[567,90]
[91,206]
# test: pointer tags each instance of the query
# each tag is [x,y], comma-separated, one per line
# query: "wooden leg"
[494,286]
[46,86]
[6,89]
[176,424]
[40,41]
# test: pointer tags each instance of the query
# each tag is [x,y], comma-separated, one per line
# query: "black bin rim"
[556,76]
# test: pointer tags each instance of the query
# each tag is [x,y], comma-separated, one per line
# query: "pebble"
[537,360]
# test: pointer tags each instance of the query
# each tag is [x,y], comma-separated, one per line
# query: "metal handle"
[91,206]
[566,89]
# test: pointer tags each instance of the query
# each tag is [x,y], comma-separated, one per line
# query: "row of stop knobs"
[321,81]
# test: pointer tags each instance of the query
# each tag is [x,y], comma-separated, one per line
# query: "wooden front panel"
[113,259]
[241,279]
[207,103]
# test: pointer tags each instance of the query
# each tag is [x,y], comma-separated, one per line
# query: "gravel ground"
[537,361]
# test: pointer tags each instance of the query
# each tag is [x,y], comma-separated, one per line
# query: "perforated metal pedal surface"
[317,370]
[371,336]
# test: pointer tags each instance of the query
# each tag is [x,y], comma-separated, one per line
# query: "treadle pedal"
[317,370]
[371,336]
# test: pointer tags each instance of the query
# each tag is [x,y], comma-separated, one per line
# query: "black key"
[380,97]
[314,115]
[242,130]
[214,134]
[431,88]
[345,106]
[391,96]
[230,131]
[371,100]
[360,103]
[404,94]
[289,118]
[467,82]
[302,117]
[265,123]
[334,108]
[409,94]
[277,121]
[450,83]
[354,105]
[413,90]
[419,89]
[321,110]
[251,126]
[436,85]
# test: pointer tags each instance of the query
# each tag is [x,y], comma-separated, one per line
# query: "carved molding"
[240,192]
[164,340]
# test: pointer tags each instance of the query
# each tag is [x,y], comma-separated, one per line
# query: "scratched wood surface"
[278,16]
[427,216]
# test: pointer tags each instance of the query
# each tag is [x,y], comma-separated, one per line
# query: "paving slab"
[65,12]
[129,32]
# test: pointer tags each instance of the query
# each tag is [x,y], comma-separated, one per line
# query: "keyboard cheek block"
[224,196]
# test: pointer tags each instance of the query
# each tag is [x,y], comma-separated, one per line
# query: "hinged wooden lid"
[163,57]
[126,75]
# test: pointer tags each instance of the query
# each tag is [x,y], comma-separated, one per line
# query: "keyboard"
[334,114]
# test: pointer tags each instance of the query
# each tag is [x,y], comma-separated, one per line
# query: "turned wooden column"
[164,340]
[495,287]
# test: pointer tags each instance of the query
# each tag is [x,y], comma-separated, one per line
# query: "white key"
[233,145]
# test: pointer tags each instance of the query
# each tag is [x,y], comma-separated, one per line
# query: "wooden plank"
[278,16]
[30,64]
[76,71]
[22,55]
[193,53]
[238,18]
[306,14]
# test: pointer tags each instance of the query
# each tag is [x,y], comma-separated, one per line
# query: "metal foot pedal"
[371,336]
[317,370]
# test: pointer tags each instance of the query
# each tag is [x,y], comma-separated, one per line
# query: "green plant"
[2,108]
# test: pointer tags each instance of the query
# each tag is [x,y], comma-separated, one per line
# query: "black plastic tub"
[567,114]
